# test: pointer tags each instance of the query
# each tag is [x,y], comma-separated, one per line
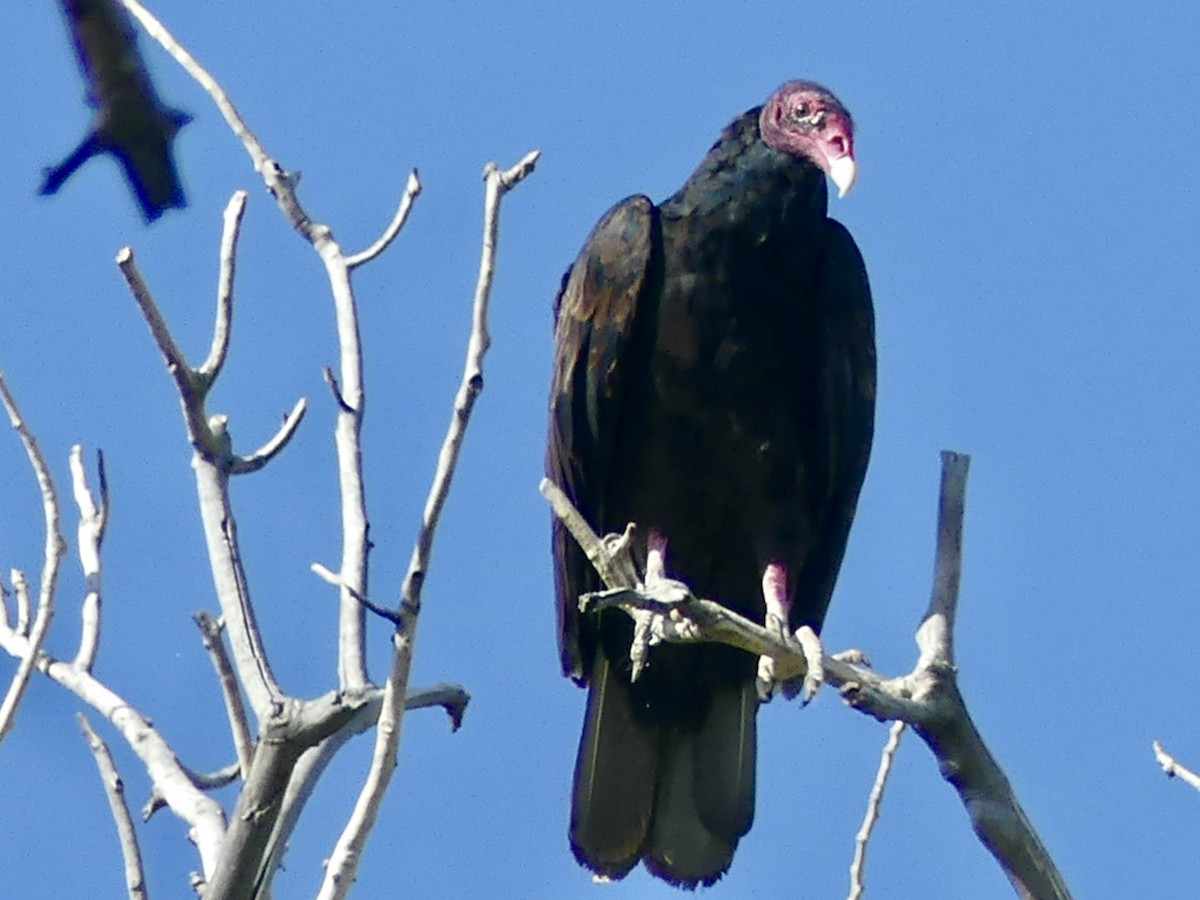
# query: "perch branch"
[343,863]
[1173,768]
[55,550]
[114,788]
[928,698]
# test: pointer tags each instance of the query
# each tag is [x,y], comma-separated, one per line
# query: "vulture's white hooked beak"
[843,172]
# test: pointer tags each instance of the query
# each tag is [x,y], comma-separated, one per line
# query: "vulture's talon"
[814,653]
[767,684]
[853,657]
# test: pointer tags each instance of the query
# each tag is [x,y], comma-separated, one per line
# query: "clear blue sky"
[1028,209]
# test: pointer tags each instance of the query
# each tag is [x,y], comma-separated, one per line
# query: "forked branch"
[56,549]
[343,862]
[927,698]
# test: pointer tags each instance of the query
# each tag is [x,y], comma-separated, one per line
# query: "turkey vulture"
[131,122]
[714,382]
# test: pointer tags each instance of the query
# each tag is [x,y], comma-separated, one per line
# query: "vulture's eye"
[801,111]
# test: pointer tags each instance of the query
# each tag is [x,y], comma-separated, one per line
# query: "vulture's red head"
[804,119]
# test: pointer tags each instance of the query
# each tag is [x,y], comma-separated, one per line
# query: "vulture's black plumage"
[714,382]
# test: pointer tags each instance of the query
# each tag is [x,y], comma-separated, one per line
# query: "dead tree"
[281,743]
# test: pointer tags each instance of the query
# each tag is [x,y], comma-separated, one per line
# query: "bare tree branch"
[114,788]
[212,463]
[234,212]
[352,660]
[1173,768]
[205,781]
[450,697]
[56,549]
[24,604]
[233,591]
[312,762]
[331,578]
[343,863]
[245,867]
[352,670]
[214,643]
[289,730]
[243,465]
[170,778]
[858,866]
[279,182]
[92,521]
[411,191]
[928,698]
[192,390]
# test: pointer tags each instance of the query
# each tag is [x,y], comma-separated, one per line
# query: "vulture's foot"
[814,675]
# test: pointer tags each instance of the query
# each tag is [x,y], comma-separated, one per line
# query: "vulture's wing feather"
[596,329]
[847,395]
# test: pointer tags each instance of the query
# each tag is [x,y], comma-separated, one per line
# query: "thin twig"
[55,550]
[24,603]
[214,643]
[874,800]
[1173,768]
[450,697]
[114,789]
[205,781]
[343,863]
[331,578]
[411,191]
[242,465]
[335,389]
[352,670]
